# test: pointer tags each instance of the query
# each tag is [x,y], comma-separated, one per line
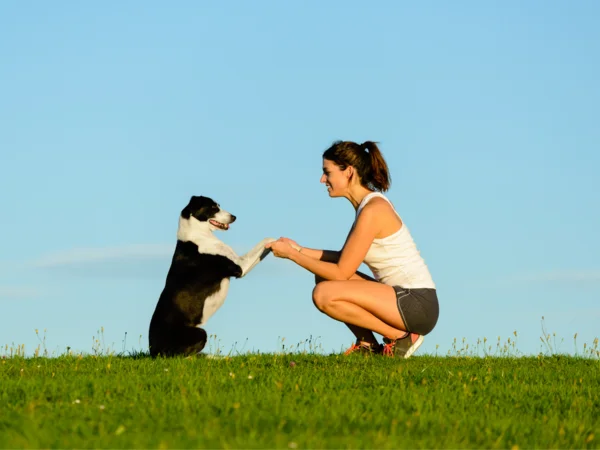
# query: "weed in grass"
[483,395]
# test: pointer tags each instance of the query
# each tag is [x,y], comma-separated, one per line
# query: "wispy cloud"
[18,292]
[80,256]
[141,261]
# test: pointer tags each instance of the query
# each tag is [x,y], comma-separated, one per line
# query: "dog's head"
[207,212]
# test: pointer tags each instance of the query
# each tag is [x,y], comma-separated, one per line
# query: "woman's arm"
[323,255]
[324,263]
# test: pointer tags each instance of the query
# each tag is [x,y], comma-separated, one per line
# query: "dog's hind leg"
[192,340]
[254,256]
[180,341]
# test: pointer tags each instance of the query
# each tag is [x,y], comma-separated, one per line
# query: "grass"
[485,397]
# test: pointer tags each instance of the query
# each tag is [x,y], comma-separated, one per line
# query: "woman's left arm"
[352,254]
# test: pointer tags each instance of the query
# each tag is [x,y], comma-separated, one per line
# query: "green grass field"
[301,400]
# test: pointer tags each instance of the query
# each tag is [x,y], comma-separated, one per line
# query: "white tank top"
[395,259]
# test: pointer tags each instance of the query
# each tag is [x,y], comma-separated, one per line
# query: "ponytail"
[379,177]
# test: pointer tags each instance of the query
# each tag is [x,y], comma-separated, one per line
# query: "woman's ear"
[349,172]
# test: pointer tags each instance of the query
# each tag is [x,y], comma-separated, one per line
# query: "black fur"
[192,277]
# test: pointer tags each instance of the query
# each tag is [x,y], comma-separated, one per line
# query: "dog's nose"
[232,218]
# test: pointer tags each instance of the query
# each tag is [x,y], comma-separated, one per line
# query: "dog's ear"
[187,211]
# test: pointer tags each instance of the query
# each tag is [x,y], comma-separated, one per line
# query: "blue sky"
[113,115]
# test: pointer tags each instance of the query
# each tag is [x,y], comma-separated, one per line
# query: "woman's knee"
[320,295]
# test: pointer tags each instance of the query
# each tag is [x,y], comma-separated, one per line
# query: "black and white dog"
[198,279]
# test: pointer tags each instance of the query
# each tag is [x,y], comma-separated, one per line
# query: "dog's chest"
[214,301]
[214,246]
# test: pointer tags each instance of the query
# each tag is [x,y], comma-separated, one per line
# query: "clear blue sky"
[113,114]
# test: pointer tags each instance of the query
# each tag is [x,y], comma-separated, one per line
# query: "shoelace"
[388,349]
[351,349]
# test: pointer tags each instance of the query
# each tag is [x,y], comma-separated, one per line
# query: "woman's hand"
[283,247]
[294,245]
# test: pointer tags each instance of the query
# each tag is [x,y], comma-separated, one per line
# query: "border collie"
[198,279]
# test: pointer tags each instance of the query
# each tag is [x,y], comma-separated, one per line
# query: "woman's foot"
[402,347]
[365,348]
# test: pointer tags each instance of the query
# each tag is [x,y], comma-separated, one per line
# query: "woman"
[400,303]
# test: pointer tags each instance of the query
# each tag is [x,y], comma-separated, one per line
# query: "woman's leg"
[365,306]
[361,334]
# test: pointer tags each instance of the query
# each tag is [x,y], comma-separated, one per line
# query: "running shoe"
[403,347]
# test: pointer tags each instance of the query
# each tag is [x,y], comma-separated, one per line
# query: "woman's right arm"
[322,255]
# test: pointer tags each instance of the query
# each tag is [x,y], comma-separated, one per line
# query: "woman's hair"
[365,158]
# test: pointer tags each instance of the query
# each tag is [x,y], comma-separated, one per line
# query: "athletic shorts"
[419,309]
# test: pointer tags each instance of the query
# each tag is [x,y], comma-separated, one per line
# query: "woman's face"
[334,178]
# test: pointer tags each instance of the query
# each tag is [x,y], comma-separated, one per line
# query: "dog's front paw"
[264,243]
[266,251]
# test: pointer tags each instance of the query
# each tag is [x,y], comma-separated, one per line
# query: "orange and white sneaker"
[403,347]
[364,348]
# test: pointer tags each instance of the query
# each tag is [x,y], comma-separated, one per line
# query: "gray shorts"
[419,309]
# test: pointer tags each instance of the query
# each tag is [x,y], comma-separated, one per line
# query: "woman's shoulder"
[378,202]
[381,214]
[377,206]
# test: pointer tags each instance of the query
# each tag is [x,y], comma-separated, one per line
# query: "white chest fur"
[214,302]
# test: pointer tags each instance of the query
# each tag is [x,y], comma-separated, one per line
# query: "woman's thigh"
[377,298]
[356,276]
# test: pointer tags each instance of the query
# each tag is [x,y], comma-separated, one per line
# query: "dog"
[198,280]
